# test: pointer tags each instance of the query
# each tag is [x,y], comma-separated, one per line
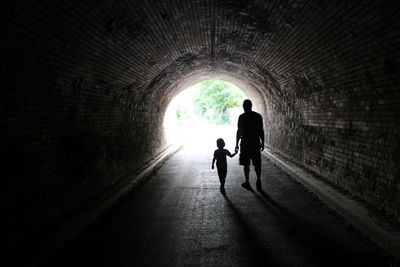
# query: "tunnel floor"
[180,218]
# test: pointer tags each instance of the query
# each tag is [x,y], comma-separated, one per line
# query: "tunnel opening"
[203,112]
[86,87]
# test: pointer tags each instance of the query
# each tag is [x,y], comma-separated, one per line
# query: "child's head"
[220,143]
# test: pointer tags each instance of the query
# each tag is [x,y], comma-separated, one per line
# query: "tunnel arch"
[257,83]
[249,76]
[250,90]
[86,85]
[190,69]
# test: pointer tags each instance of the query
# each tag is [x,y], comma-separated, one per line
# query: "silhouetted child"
[220,156]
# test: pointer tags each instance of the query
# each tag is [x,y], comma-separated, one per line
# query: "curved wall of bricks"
[85,85]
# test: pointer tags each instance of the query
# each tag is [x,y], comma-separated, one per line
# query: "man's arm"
[213,161]
[262,142]
[261,134]
[238,134]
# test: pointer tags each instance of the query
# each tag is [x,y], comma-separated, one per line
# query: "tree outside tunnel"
[206,110]
[217,101]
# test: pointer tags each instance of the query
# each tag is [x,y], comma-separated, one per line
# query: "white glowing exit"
[200,114]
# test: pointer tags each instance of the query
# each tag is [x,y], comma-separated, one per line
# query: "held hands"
[237,148]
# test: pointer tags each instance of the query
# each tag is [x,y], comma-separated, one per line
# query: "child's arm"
[212,165]
[232,155]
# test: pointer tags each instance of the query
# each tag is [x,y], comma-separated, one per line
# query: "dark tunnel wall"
[85,85]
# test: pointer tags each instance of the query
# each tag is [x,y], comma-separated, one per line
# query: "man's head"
[220,143]
[247,105]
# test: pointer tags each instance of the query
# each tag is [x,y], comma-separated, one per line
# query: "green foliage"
[215,98]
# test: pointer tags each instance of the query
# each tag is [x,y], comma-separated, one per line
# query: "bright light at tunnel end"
[196,133]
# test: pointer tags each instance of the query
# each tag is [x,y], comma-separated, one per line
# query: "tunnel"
[86,84]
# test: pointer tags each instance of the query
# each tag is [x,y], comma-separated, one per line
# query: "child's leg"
[222,176]
[222,181]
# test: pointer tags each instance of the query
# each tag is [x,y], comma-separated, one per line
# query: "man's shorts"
[250,154]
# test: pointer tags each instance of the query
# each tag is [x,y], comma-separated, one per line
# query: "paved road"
[179,218]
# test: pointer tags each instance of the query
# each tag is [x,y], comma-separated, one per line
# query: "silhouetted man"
[251,133]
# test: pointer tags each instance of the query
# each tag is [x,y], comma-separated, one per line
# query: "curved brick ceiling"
[86,83]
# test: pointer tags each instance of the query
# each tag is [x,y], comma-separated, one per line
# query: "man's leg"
[257,168]
[246,169]
[244,160]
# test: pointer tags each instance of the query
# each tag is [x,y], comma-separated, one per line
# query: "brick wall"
[340,113]
[76,113]
[85,85]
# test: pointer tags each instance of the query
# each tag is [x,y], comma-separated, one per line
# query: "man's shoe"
[258,184]
[246,185]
